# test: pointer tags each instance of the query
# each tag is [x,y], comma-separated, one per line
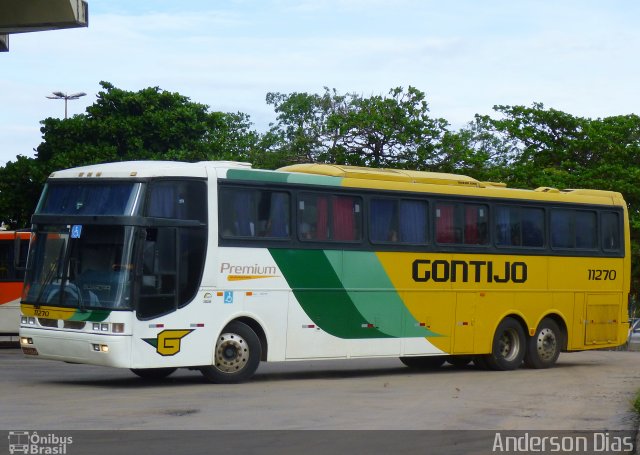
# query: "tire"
[236,356]
[424,362]
[459,361]
[153,374]
[543,349]
[509,346]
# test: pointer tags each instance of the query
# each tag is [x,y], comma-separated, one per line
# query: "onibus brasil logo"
[30,442]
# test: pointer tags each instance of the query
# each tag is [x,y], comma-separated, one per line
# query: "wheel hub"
[546,344]
[509,345]
[232,353]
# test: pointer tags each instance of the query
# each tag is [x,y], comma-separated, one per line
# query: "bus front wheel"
[236,356]
[544,347]
[508,348]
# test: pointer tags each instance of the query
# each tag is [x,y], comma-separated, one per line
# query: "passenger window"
[611,231]
[573,229]
[519,226]
[249,213]
[329,218]
[465,224]
[178,199]
[398,221]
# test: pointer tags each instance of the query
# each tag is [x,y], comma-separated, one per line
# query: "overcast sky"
[578,56]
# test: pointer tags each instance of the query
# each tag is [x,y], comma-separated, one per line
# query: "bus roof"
[146,169]
[409,180]
[339,175]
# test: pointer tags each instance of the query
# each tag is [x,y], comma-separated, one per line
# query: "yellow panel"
[602,318]
[464,324]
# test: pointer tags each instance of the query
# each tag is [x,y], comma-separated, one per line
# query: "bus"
[215,267]
[13,246]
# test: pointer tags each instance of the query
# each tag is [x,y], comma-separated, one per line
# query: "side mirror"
[20,251]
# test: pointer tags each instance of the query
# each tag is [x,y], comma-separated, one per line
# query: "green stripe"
[90,315]
[343,290]
[282,177]
[376,298]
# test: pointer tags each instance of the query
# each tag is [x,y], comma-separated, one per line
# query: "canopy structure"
[21,16]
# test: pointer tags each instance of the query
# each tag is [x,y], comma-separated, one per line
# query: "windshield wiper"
[44,284]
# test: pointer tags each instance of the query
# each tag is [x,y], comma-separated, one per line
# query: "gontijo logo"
[424,270]
[168,341]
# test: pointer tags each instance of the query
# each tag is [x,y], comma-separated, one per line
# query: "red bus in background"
[13,255]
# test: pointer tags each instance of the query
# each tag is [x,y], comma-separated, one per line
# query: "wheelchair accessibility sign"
[228,297]
[76,231]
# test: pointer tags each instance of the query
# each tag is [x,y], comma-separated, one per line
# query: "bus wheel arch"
[508,347]
[544,347]
[259,331]
[236,354]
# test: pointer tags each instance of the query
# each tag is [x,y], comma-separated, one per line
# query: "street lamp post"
[65,97]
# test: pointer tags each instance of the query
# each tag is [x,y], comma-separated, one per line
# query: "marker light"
[117,327]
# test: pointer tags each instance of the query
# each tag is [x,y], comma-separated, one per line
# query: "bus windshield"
[113,198]
[85,267]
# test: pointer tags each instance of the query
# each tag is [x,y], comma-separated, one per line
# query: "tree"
[390,131]
[302,133]
[20,187]
[379,131]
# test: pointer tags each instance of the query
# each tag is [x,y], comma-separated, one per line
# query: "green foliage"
[379,131]
[20,188]
[150,124]
[636,403]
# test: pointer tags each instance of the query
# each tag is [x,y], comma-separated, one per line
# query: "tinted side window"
[329,218]
[178,199]
[611,231]
[253,213]
[8,271]
[519,226]
[6,259]
[465,224]
[398,221]
[573,229]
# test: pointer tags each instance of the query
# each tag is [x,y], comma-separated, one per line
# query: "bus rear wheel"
[508,348]
[424,362]
[543,349]
[153,374]
[236,356]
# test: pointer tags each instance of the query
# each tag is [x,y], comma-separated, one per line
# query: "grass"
[636,403]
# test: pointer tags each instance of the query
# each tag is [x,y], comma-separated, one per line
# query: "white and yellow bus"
[215,266]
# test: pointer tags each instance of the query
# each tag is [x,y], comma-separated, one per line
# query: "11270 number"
[602,275]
